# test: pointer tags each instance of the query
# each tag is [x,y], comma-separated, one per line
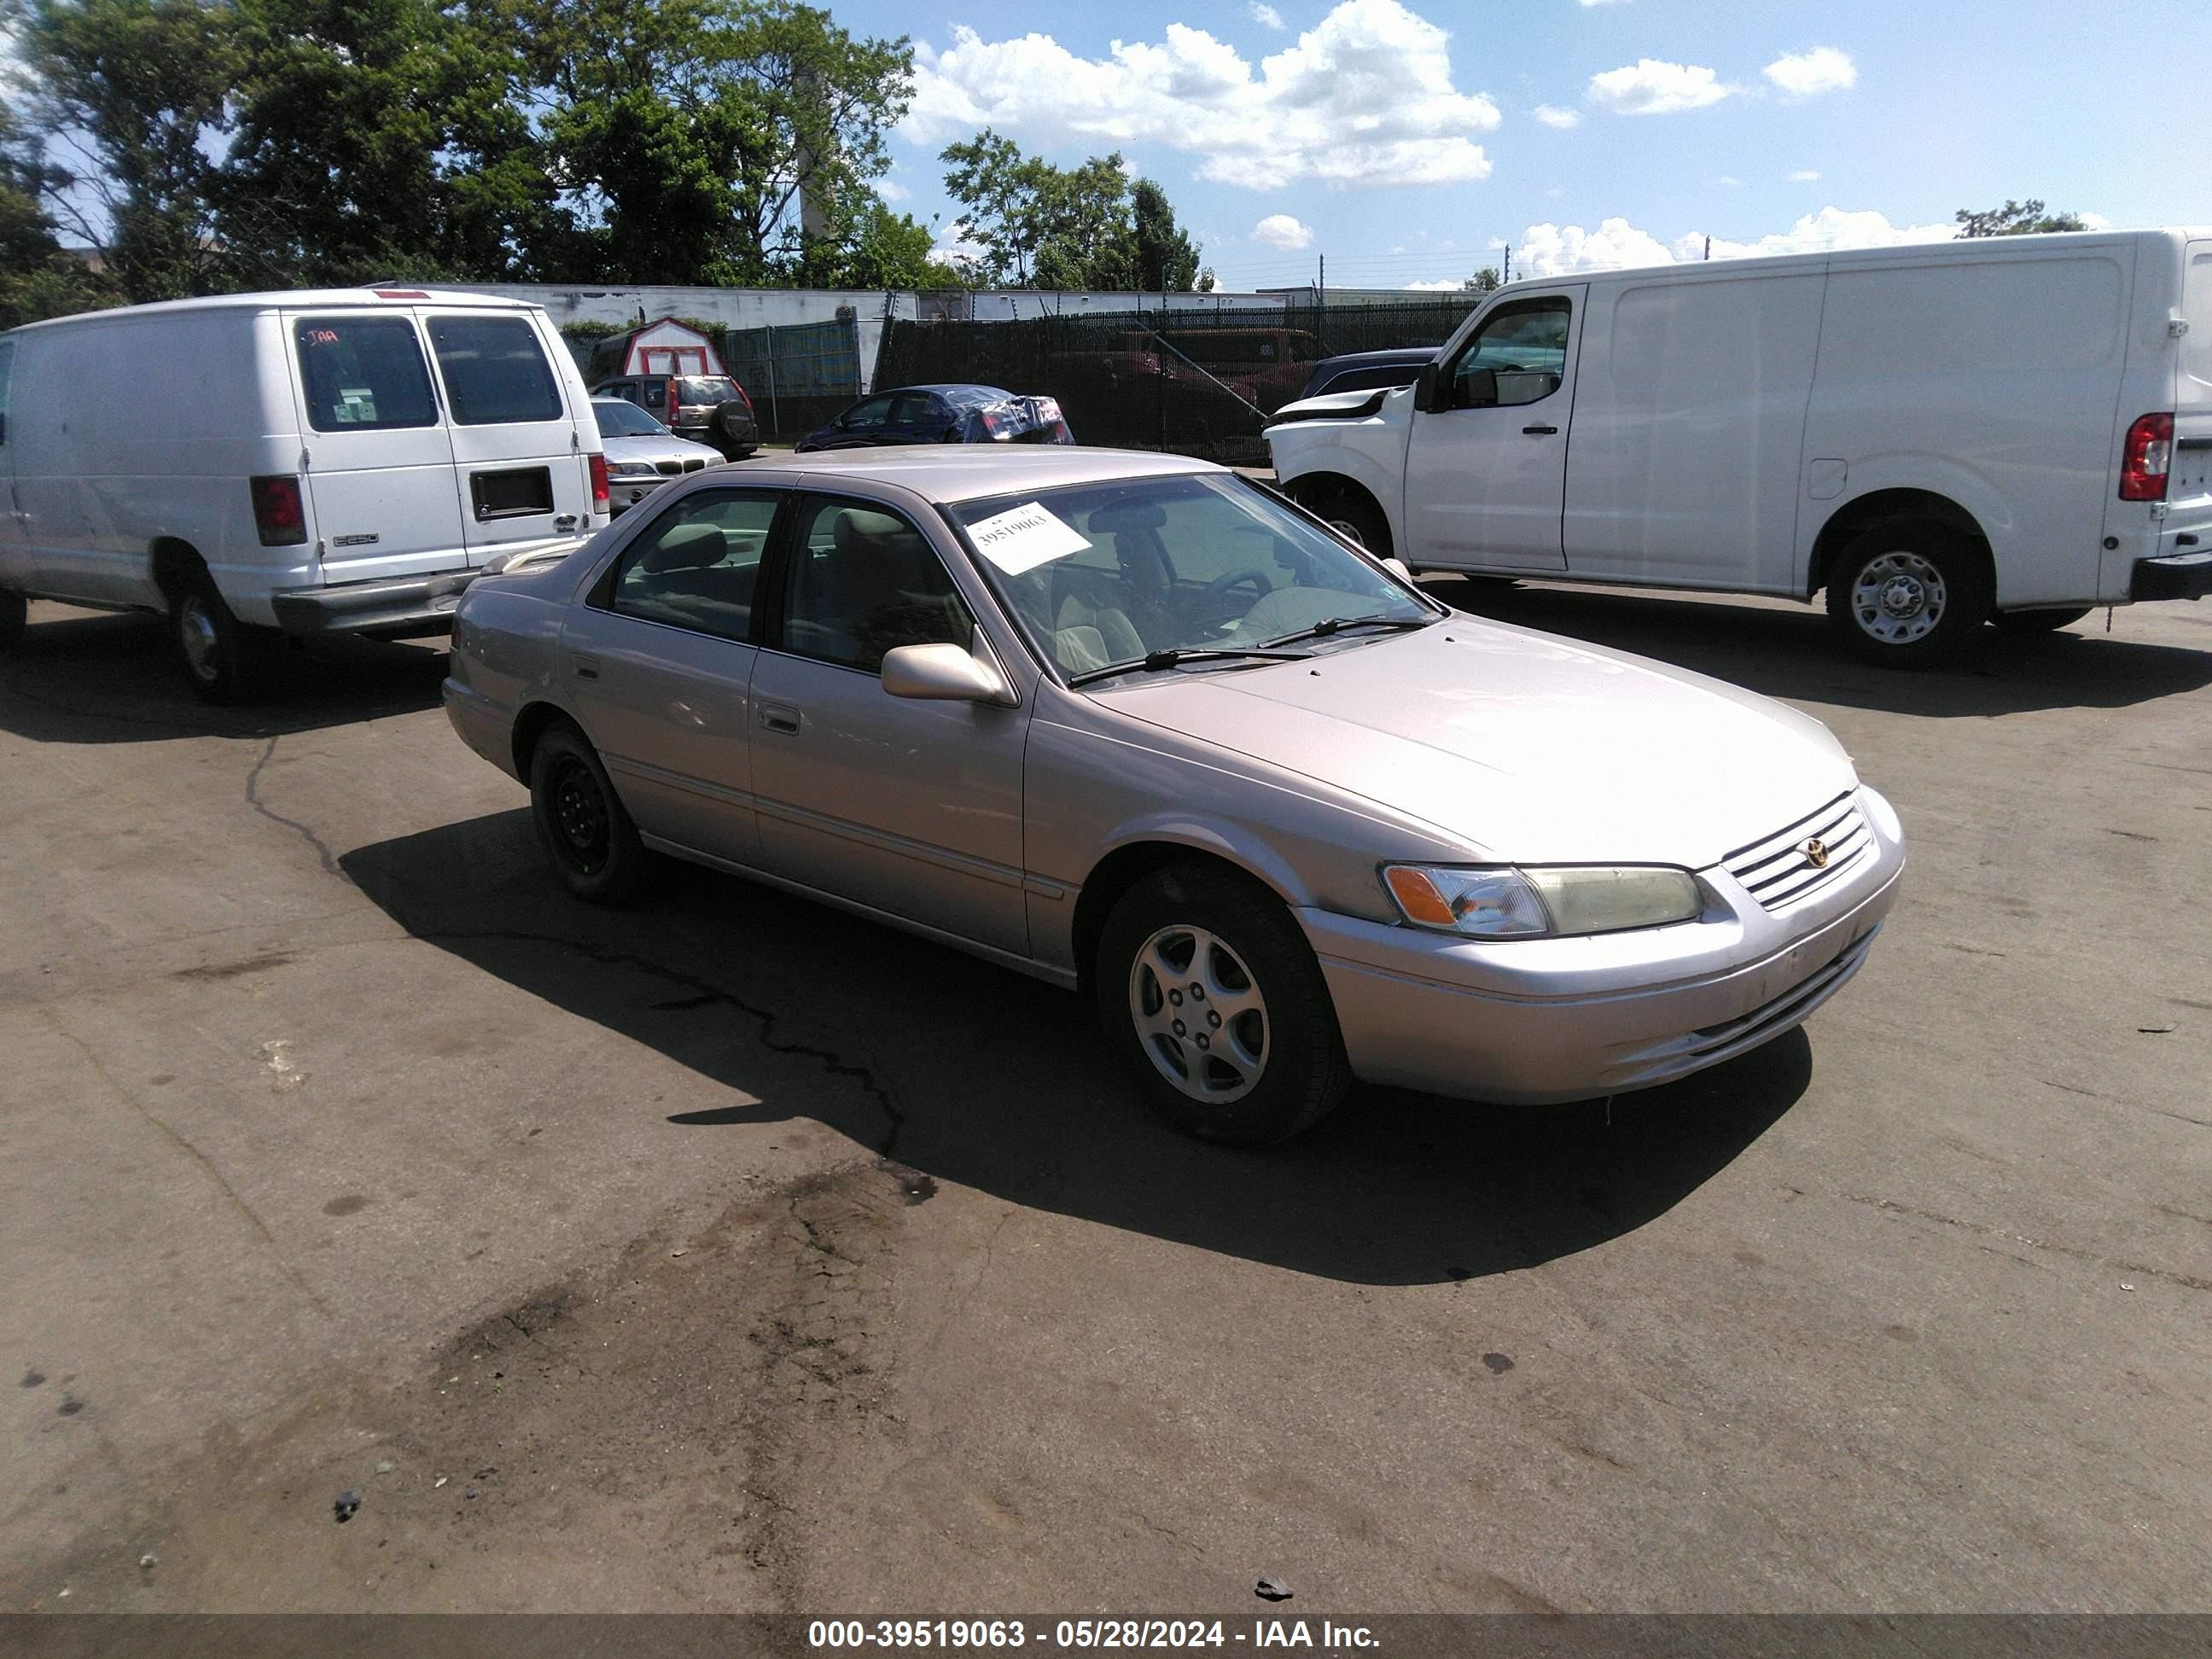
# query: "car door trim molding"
[683,781]
[923,851]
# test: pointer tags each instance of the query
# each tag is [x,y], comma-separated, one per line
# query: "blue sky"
[1401,137]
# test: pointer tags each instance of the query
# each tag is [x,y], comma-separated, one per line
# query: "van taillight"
[598,483]
[2145,458]
[278,512]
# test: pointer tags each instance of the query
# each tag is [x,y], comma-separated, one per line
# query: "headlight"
[632,471]
[1505,903]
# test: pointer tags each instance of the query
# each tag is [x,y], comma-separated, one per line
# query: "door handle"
[1539,431]
[588,668]
[775,717]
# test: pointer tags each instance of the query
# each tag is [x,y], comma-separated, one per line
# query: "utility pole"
[1709,247]
[1321,284]
[1507,275]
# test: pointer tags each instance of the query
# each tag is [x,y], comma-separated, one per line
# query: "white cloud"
[1728,181]
[1549,250]
[1280,230]
[1267,16]
[1807,74]
[1365,97]
[1554,115]
[2094,221]
[1588,3]
[891,191]
[954,247]
[1446,285]
[1805,176]
[1652,86]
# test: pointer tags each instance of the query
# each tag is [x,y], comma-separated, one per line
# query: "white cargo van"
[345,460]
[2018,428]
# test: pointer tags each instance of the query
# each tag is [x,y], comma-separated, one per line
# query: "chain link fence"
[798,375]
[1196,383]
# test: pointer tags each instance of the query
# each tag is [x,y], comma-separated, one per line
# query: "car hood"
[651,451]
[1531,748]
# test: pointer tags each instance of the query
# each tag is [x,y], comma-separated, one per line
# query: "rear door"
[379,460]
[2189,494]
[518,448]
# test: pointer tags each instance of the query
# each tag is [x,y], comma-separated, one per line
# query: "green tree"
[2015,219]
[875,247]
[1166,257]
[38,279]
[683,136]
[129,92]
[1042,225]
[375,137]
[1484,280]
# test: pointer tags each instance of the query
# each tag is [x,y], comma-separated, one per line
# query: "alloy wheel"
[1198,1014]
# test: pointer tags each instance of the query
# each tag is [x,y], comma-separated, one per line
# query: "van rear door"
[379,462]
[521,454]
[2188,484]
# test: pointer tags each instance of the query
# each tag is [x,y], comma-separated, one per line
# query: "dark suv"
[707,409]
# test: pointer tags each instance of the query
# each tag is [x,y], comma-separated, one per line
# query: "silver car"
[1136,725]
[642,454]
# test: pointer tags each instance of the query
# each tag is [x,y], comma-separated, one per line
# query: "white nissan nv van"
[343,461]
[2017,429]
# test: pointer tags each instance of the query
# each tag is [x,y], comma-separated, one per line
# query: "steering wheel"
[1258,580]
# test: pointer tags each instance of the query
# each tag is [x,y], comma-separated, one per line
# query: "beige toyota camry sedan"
[1135,725]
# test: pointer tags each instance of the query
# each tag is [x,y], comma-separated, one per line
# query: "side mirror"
[942,673]
[1424,390]
[1399,568]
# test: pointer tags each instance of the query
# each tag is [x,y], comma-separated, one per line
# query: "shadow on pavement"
[969,1074]
[92,677]
[1792,652]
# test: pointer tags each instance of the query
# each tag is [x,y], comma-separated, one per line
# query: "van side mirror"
[1424,390]
[942,673]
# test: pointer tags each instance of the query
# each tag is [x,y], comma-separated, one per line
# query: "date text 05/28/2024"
[1320,1635]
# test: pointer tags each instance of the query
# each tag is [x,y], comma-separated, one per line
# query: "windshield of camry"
[1104,576]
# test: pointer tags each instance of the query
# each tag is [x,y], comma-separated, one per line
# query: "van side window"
[1518,356]
[363,374]
[494,372]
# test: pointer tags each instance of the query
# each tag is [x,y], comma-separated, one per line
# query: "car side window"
[913,409]
[866,415]
[1518,356]
[656,394]
[363,374]
[697,565]
[863,581]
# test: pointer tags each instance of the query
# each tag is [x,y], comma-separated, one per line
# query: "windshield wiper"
[1322,630]
[1158,661]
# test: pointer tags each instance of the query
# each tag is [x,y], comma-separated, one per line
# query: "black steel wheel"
[587,832]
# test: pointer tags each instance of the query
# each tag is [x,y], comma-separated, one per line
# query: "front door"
[380,464]
[1487,468]
[659,666]
[910,807]
[518,447]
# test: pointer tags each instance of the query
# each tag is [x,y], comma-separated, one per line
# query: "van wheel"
[1908,593]
[1212,999]
[213,646]
[1351,513]
[15,612]
[2028,622]
[587,835]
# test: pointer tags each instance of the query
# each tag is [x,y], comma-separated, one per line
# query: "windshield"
[1100,574]
[627,421]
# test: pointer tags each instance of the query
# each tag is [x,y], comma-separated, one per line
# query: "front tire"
[1212,999]
[587,835]
[1351,512]
[213,646]
[1908,593]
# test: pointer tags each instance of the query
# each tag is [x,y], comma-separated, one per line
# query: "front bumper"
[2174,576]
[1536,1022]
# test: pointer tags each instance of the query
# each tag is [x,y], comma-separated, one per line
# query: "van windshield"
[363,374]
[494,373]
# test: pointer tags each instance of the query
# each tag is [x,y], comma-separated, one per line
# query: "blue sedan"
[943,415]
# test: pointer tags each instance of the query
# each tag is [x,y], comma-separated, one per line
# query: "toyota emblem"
[1816,852]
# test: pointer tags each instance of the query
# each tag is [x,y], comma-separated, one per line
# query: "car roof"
[947,389]
[966,472]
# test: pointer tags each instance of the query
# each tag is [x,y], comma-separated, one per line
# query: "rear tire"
[2027,623]
[1909,593]
[586,833]
[215,649]
[15,614]
[1212,997]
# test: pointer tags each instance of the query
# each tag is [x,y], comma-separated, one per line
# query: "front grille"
[1776,871]
[693,466]
[668,469]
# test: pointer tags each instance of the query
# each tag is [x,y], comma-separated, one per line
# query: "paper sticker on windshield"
[1023,537]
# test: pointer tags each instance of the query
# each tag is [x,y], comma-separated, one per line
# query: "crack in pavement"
[2189,1281]
[253,799]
